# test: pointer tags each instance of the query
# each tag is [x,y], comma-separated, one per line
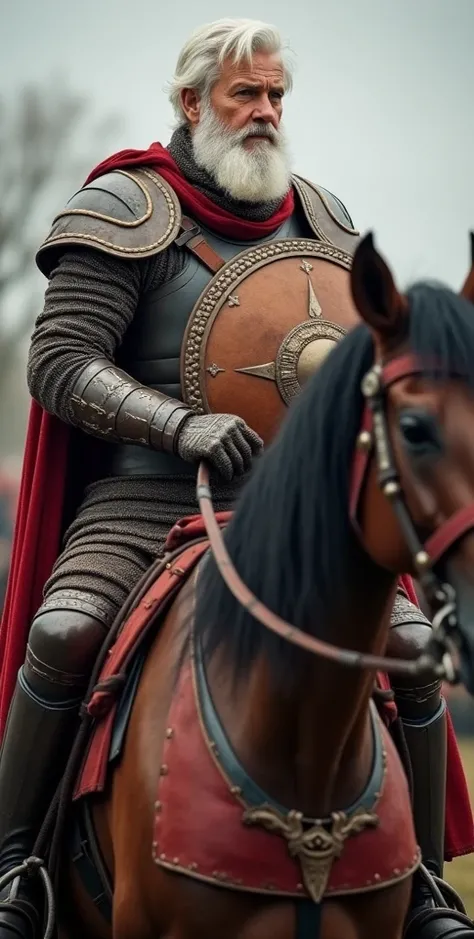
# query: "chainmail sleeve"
[89,304]
[121,523]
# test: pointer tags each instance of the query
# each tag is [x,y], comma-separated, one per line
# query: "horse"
[371,476]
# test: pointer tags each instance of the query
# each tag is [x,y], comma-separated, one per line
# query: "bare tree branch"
[49,139]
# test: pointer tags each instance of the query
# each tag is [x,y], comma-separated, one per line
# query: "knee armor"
[422,711]
[62,647]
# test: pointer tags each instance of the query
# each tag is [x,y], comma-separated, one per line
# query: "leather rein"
[374,438]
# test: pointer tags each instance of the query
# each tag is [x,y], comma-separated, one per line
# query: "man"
[126,269]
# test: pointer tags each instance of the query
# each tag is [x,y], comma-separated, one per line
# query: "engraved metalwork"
[234,301]
[314,306]
[214,369]
[163,239]
[223,286]
[306,266]
[301,353]
[268,370]
[302,185]
[381,443]
[370,385]
[317,847]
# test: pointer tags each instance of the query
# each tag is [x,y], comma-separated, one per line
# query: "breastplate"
[151,348]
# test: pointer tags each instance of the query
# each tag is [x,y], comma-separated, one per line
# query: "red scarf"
[193,202]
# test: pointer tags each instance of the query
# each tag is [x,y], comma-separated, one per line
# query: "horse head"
[413,482]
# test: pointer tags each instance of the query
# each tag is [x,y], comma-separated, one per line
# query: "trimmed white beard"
[261,174]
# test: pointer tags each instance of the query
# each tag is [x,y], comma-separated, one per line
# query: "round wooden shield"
[262,326]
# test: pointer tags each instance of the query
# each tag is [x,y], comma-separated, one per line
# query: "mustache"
[219,133]
[260,130]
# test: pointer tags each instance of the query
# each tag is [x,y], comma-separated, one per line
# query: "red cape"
[36,542]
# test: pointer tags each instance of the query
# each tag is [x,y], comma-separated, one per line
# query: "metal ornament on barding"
[364,441]
[317,847]
[370,384]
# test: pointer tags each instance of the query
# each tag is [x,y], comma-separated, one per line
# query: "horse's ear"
[468,288]
[375,295]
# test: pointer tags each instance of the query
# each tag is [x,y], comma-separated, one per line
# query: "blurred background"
[381,114]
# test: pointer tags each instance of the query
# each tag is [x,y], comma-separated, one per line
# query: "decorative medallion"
[315,847]
[301,353]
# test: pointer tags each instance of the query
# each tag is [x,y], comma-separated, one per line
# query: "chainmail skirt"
[119,529]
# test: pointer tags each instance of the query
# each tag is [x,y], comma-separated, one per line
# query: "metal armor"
[127,214]
[132,215]
[302,278]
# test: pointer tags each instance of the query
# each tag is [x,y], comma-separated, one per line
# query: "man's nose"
[265,112]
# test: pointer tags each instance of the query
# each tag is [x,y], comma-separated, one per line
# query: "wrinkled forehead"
[263,69]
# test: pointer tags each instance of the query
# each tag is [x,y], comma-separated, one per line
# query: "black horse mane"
[290,537]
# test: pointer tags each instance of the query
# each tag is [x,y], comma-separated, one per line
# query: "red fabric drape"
[35,542]
[193,202]
[40,505]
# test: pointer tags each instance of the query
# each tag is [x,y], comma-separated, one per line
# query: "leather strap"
[192,237]
[88,862]
[348,657]
[453,528]
[404,366]
[450,532]
[308,919]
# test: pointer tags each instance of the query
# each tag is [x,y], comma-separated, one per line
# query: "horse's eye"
[413,427]
[420,431]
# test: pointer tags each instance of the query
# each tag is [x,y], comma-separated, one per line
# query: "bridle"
[373,440]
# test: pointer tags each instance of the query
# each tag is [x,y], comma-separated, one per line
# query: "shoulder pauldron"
[326,215]
[127,213]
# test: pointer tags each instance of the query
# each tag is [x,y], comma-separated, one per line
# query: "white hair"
[203,55]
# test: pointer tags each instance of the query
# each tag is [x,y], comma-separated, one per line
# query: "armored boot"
[423,716]
[436,911]
[40,731]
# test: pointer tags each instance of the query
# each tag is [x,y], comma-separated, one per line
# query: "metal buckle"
[187,235]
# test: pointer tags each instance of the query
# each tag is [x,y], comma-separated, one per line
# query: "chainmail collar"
[181,149]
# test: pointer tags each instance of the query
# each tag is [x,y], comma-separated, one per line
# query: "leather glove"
[223,440]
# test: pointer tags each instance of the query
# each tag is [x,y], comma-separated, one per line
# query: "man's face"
[250,94]
[237,135]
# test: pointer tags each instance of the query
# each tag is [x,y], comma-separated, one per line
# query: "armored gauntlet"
[223,440]
[108,403]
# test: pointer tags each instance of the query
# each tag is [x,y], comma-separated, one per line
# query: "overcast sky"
[381,113]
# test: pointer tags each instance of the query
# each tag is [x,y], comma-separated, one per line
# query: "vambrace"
[108,403]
